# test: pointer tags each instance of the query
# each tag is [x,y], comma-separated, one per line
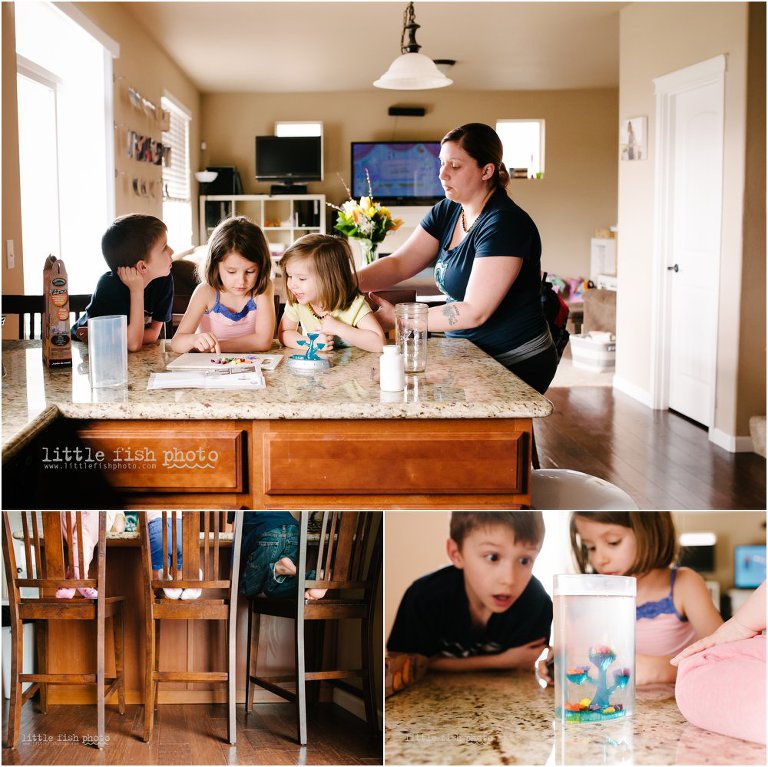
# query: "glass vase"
[367,251]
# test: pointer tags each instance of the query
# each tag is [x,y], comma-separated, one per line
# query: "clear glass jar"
[411,330]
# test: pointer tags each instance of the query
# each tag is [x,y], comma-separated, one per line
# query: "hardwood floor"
[661,459]
[194,734]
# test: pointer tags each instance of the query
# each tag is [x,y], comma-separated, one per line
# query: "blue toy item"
[310,361]
[600,706]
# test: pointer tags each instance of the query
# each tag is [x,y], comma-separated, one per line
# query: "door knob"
[674,268]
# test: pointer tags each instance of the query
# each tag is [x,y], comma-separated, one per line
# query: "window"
[177,196]
[66,159]
[311,128]
[523,142]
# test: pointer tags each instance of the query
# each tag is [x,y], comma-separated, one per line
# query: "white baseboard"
[354,705]
[641,395]
[731,443]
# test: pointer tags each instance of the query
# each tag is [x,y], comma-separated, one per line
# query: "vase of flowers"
[366,221]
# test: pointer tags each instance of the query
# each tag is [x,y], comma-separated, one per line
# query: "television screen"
[404,172]
[289,158]
[749,566]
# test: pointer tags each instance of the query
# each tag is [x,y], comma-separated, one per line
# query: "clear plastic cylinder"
[594,643]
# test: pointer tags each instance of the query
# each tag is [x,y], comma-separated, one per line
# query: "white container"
[411,329]
[592,354]
[108,350]
[594,629]
[391,373]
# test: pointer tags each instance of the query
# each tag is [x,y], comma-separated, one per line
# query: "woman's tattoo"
[451,313]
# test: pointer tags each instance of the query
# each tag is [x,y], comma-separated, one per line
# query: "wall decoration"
[633,139]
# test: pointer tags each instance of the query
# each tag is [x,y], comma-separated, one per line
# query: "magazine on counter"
[249,377]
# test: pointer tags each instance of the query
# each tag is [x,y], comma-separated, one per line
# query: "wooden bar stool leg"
[149,684]
[231,688]
[118,631]
[100,677]
[17,658]
[301,683]
[369,678]
[41,637]
[248,670]
[157,665]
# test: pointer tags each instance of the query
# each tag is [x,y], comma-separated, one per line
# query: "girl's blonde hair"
[241,236]
[654,531]
[330,260]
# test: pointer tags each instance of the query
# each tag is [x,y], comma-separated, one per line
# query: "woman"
[487,257]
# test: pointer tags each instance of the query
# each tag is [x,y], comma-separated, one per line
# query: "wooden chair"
[196,555]
[349,565]
[30,311]
[44,567]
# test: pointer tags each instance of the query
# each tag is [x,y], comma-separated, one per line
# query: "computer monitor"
[748,566]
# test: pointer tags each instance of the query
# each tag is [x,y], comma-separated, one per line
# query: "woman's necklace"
[315,314]
[482,208]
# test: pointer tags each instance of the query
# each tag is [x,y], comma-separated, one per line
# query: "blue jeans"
[259,570]
[156,542]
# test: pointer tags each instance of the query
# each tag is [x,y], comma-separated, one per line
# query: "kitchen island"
[506,718]
[459,436]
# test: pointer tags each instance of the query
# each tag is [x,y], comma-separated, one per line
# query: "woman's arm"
[186,338]
[489,281]
[368,334]
[261,339]
[415,254]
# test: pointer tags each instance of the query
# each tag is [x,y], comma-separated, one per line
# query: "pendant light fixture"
[412,71]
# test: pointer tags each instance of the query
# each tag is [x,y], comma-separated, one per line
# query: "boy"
[139,284]
[486,611]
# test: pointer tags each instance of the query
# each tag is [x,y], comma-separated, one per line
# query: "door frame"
[667,89]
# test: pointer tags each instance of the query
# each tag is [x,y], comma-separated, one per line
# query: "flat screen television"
[289,159]
[749,566]
[402,172]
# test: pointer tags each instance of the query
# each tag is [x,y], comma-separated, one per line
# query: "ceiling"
[344,46]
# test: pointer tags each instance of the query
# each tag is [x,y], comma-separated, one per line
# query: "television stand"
[287,189]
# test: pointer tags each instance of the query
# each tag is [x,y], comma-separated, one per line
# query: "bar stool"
[569,489]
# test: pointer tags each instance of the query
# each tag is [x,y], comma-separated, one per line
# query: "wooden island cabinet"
[458,436]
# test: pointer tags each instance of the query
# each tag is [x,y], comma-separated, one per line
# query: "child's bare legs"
[285,566]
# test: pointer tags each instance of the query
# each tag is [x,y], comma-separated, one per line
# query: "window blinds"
[176,185]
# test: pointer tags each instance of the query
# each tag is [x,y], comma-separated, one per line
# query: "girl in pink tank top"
[674,608]
[232,309]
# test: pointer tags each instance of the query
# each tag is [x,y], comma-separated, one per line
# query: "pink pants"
[723,689]
[90,539]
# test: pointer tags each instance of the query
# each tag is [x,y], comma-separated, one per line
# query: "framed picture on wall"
[632,139]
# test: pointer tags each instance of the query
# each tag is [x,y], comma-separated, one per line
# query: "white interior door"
[691,253]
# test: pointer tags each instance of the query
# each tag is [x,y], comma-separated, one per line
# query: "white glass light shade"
[412,72]
[206,176]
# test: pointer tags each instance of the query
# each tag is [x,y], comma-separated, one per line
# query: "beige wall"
[656,39]
[13,279]
[751,373]
[415,544]
[576,196]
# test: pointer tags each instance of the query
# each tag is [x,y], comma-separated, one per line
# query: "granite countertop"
[460,382]
[506,718]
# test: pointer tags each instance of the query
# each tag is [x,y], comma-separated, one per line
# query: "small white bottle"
[391,373]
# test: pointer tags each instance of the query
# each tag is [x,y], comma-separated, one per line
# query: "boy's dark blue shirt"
[112,296]
[433,619]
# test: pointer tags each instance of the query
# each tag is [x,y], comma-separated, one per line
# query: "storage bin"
[592,354]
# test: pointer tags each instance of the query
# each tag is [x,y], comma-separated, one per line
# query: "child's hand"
[730,631]
[331,326]
[523,656]
[206,342]
[322,338]
[130,277]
